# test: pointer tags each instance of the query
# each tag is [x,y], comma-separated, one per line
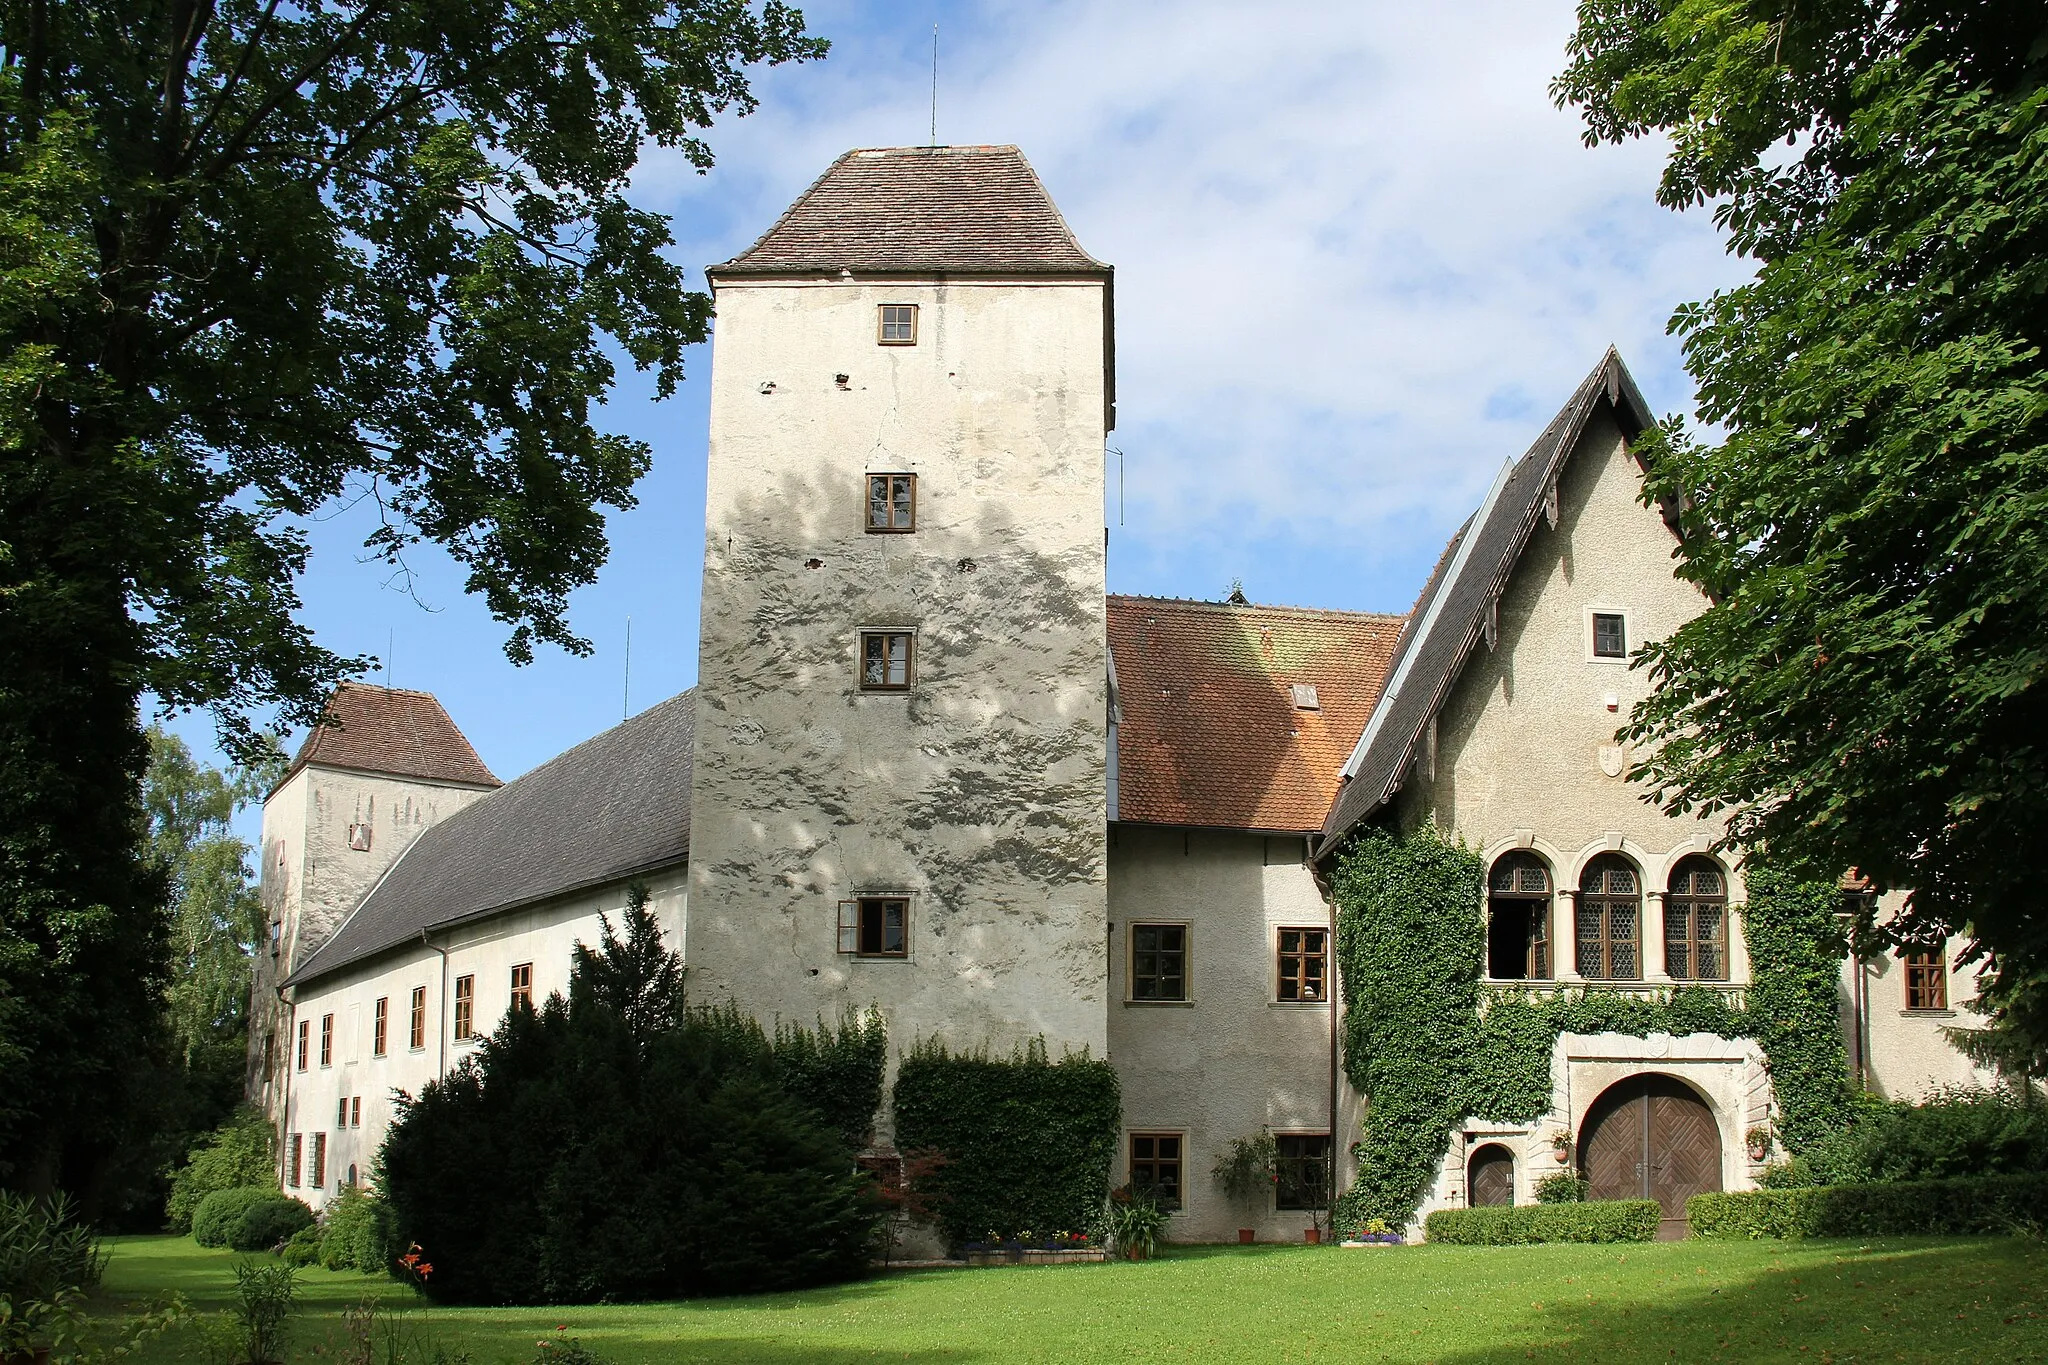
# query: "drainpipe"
[1333,997]
[441,1046]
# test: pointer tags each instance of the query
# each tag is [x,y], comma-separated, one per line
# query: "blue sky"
[1360,261]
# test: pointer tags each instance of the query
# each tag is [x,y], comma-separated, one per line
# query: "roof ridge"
[1256,606]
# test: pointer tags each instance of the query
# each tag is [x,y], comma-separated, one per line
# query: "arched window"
[1610,920]
[1696,922]
[1518,919]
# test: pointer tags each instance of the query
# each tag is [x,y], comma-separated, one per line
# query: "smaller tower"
[384,765]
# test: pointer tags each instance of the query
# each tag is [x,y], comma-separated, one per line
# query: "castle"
[931,765]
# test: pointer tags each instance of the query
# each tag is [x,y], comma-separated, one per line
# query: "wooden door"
[1651,1137]
[1490,1177]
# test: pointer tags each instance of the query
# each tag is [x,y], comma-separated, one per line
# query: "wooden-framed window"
[465,1007]
[1159,962]
[886,660]
[327,1040]
[1156,1166]
[522,986]
[416,1036]
[341,1112]
[1301,1170]
[892,503]
[1518,918]
[380,1027]
[1926,980]
[355,1111]
[896,324]
[1304,965]
[305,1045]
[875,926]
[296,1164]
[1696,922]
[318,1176]
[1610,635]
[1610,920]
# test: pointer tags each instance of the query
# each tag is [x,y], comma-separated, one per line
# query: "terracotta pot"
[1313,1236]
[1246,1236]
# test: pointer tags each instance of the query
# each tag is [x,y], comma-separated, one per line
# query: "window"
[355,1113]
[1518,919]
[1301,1170]
[1926,981]
[875,926]
[885,660]
[892,502]
[295,1165]
[1159,962]
[276,937]
[1155,1166]
[1610,635]
[417,1038]
[327,1040]
[897,325]
[522,986]
[318,1177]
[1610,920]
[341,1112]
[380,1027]
[304,1046]
[1304,696]
[1696,922]
[465,1007]
[1304,960]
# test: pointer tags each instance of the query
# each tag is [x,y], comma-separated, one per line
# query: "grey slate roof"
[1452,613]
[920,210]
[614,805]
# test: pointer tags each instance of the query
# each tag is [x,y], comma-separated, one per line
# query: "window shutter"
[849,926]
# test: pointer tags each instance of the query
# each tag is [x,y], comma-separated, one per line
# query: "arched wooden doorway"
[1651,1137]
[1490,1177]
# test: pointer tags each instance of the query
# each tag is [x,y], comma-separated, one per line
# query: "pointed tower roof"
[920,211]
[389,730]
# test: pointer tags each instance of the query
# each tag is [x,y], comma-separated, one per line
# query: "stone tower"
[359,792]
[899,788]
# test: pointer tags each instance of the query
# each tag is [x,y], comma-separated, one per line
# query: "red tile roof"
[1210,734]
[389,730]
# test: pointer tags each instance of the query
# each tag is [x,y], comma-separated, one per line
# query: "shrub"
[44,1250]
[303,1248]
[1027,1141]
[1796,1174]
[266,1295]
[268,1222]
[241,1152]
[1984,1204]
[216,1215]
[1606,1220]
[1562,1187]
[358,1233]
[1133,1221]
[620,1145]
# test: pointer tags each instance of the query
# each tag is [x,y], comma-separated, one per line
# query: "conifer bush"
[620,1145]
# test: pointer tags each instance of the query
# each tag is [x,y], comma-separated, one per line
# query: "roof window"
[1304,695]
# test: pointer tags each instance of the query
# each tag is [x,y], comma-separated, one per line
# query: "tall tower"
[361,789]
[899,785]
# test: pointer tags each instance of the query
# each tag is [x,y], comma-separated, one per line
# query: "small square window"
[1159,962]
[1926,981]
[1610,635]
[1304,965]
[885,660]
[522,986]
[875,926]
[1155,1167]
[892,502]
[897,325]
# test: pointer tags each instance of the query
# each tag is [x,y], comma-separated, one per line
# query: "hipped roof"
[390,730]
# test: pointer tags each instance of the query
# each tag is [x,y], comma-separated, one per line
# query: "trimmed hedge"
[1605,1220]
[220,1211]
[1984,1204]
[248,1218]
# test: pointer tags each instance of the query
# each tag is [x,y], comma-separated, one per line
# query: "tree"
[1864,689]
[257,259]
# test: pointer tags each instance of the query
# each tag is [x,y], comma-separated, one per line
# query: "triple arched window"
[1613,930]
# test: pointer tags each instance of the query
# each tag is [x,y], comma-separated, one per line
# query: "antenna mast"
[935,85]
[626,701]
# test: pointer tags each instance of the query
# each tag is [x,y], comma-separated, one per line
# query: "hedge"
[218,1212]
[1607,1220]
[1983,1204]
[248,1218]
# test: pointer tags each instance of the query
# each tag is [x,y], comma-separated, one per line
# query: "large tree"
[1871,525]
[256,258]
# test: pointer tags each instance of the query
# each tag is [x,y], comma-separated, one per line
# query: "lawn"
[1897,1300]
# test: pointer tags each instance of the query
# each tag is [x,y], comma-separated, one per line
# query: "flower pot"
[1246,1236]
[1313,1236]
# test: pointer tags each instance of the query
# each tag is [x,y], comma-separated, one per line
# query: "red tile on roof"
[1210,733]
[390,730]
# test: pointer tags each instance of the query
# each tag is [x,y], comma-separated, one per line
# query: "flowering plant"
[414,1268]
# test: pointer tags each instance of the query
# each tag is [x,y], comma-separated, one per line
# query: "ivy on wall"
[1429,1047]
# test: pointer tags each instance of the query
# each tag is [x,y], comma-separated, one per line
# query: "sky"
[1361,259]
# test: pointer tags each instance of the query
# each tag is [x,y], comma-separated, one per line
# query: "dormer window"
[898,325]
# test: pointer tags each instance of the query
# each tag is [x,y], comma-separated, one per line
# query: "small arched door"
[1490,1177]
[1651,1137]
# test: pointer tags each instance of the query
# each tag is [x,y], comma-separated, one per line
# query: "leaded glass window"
[1610,919]
[1518,919]
[1696,922]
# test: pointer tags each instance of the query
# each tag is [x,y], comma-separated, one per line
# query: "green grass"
[1900,1300]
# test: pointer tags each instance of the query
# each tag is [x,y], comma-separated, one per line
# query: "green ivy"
[1027,1142]
[1429,1047]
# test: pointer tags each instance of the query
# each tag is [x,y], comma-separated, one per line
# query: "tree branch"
[227,89]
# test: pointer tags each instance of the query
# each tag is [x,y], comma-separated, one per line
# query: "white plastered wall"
[1905,1052]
